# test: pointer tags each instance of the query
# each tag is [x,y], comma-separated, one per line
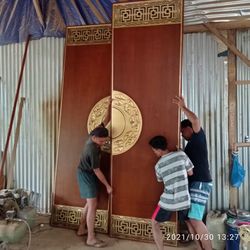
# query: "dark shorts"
[88,184]
[162,215]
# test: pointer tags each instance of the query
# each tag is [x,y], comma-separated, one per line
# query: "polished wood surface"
[146,63]
[147,68]
[87,79]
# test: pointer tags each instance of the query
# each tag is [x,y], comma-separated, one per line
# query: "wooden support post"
[232,102]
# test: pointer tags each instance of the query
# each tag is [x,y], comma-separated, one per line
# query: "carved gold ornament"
[69,217]
[126,121]
[89,34]
[125,227]
[147,13]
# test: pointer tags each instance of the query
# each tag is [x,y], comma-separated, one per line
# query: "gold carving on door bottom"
[126,121]
[126,227]
[69,217]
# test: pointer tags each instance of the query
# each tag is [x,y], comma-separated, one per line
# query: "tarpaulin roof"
[48,18]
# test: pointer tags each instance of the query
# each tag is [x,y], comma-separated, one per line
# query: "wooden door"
[147,49]
[146,67]
[87,79]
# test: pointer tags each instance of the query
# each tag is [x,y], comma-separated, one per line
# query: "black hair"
[186,123]
[100,132]
[159,142]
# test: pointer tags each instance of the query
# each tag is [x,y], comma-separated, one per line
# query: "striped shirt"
[172,170]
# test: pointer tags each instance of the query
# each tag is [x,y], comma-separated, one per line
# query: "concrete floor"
[50,238]
[45,237]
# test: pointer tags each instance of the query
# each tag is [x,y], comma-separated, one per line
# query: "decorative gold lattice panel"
[141,229]
[89,34]
[147,13]
[69,217]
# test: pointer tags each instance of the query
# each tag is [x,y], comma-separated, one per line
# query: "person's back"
[90,155]
[196,150]
[172,169]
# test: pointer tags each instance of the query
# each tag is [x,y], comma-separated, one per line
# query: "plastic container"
[215,222]
[232,236]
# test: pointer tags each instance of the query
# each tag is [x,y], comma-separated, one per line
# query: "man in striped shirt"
[172,169]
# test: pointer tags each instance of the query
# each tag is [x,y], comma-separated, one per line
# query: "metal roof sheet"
[199,11]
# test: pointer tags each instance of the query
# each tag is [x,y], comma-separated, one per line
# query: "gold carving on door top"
[89,34]
[147,13]
[126,121]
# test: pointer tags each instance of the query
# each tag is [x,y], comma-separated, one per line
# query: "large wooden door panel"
[87,79]
[147,69]
[146,66]
[147,50]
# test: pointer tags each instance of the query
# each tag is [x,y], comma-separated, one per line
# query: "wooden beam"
[243,82]
[232,99]
[241,145]
[243,24]
[228,43]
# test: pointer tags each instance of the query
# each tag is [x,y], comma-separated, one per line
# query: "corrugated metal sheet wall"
[204,88]
[35,156]
[243,117]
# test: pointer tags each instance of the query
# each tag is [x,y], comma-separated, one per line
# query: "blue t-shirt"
[196,150]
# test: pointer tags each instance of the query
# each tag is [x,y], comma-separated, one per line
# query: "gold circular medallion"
[126,121]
